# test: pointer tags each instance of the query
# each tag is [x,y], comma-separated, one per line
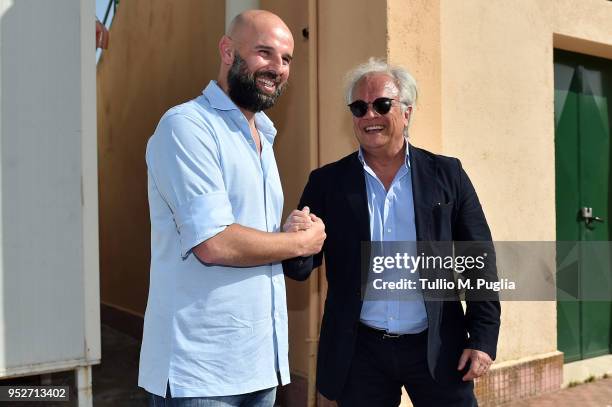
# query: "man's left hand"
[479,363]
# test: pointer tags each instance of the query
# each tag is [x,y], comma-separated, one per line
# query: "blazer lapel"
[423,180]
[355,190]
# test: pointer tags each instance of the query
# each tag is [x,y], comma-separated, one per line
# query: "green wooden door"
[583,109]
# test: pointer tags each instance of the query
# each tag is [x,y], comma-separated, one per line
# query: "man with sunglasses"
[215,328]
[392,191]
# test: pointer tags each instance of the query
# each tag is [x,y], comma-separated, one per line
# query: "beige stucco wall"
[583,26]
[497,116]
[414,42]
[494,62]
[159,55]
[350,31]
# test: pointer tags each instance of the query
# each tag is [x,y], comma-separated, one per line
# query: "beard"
[243,89]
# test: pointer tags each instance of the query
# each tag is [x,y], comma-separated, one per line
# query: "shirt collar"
[362,160]
[219,100]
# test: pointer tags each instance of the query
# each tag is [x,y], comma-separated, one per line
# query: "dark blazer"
[446,208]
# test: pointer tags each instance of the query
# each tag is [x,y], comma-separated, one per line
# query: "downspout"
[316,278]
[313,335]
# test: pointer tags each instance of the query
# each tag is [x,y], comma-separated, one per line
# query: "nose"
[273,63]
[370,112]
[274,67]
[279,67]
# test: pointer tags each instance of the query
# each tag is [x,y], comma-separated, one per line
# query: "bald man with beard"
[215,330]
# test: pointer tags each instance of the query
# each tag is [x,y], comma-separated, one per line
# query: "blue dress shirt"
[392,219]
[211,330]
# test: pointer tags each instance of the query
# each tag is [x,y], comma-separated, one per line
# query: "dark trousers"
[382,365]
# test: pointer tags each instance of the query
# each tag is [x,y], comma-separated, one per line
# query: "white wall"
[49,309]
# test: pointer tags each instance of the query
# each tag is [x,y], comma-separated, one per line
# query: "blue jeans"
[261,398]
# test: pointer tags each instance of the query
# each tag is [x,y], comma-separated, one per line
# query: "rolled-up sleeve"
[184,161]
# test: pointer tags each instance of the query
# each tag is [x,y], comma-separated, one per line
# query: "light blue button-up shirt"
[211,330]
[392,219]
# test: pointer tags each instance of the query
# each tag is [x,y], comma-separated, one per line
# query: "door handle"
[586,214]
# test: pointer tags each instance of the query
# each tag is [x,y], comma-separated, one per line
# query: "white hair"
[403,80]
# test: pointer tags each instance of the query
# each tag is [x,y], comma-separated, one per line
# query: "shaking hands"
[309,230]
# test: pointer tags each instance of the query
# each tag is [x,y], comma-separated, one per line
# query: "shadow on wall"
[159,55]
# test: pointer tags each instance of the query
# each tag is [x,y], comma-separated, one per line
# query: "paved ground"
[114,382]
[595,394]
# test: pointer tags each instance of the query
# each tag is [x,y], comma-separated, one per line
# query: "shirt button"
[388,230]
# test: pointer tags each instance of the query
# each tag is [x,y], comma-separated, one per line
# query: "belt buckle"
[391,336]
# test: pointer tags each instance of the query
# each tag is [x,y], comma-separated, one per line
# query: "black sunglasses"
[381,106]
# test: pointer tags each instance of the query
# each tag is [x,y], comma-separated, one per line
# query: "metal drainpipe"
[313,336]
[316,279]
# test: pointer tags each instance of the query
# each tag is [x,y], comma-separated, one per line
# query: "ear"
[407,114]
[226,50]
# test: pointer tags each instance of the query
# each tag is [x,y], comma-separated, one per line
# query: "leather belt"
[384,334]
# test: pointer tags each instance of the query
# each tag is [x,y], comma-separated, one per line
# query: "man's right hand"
[310,241]
[298,220]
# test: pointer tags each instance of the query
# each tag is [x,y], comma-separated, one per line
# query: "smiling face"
[380,134]
[256,56]
[252,91]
